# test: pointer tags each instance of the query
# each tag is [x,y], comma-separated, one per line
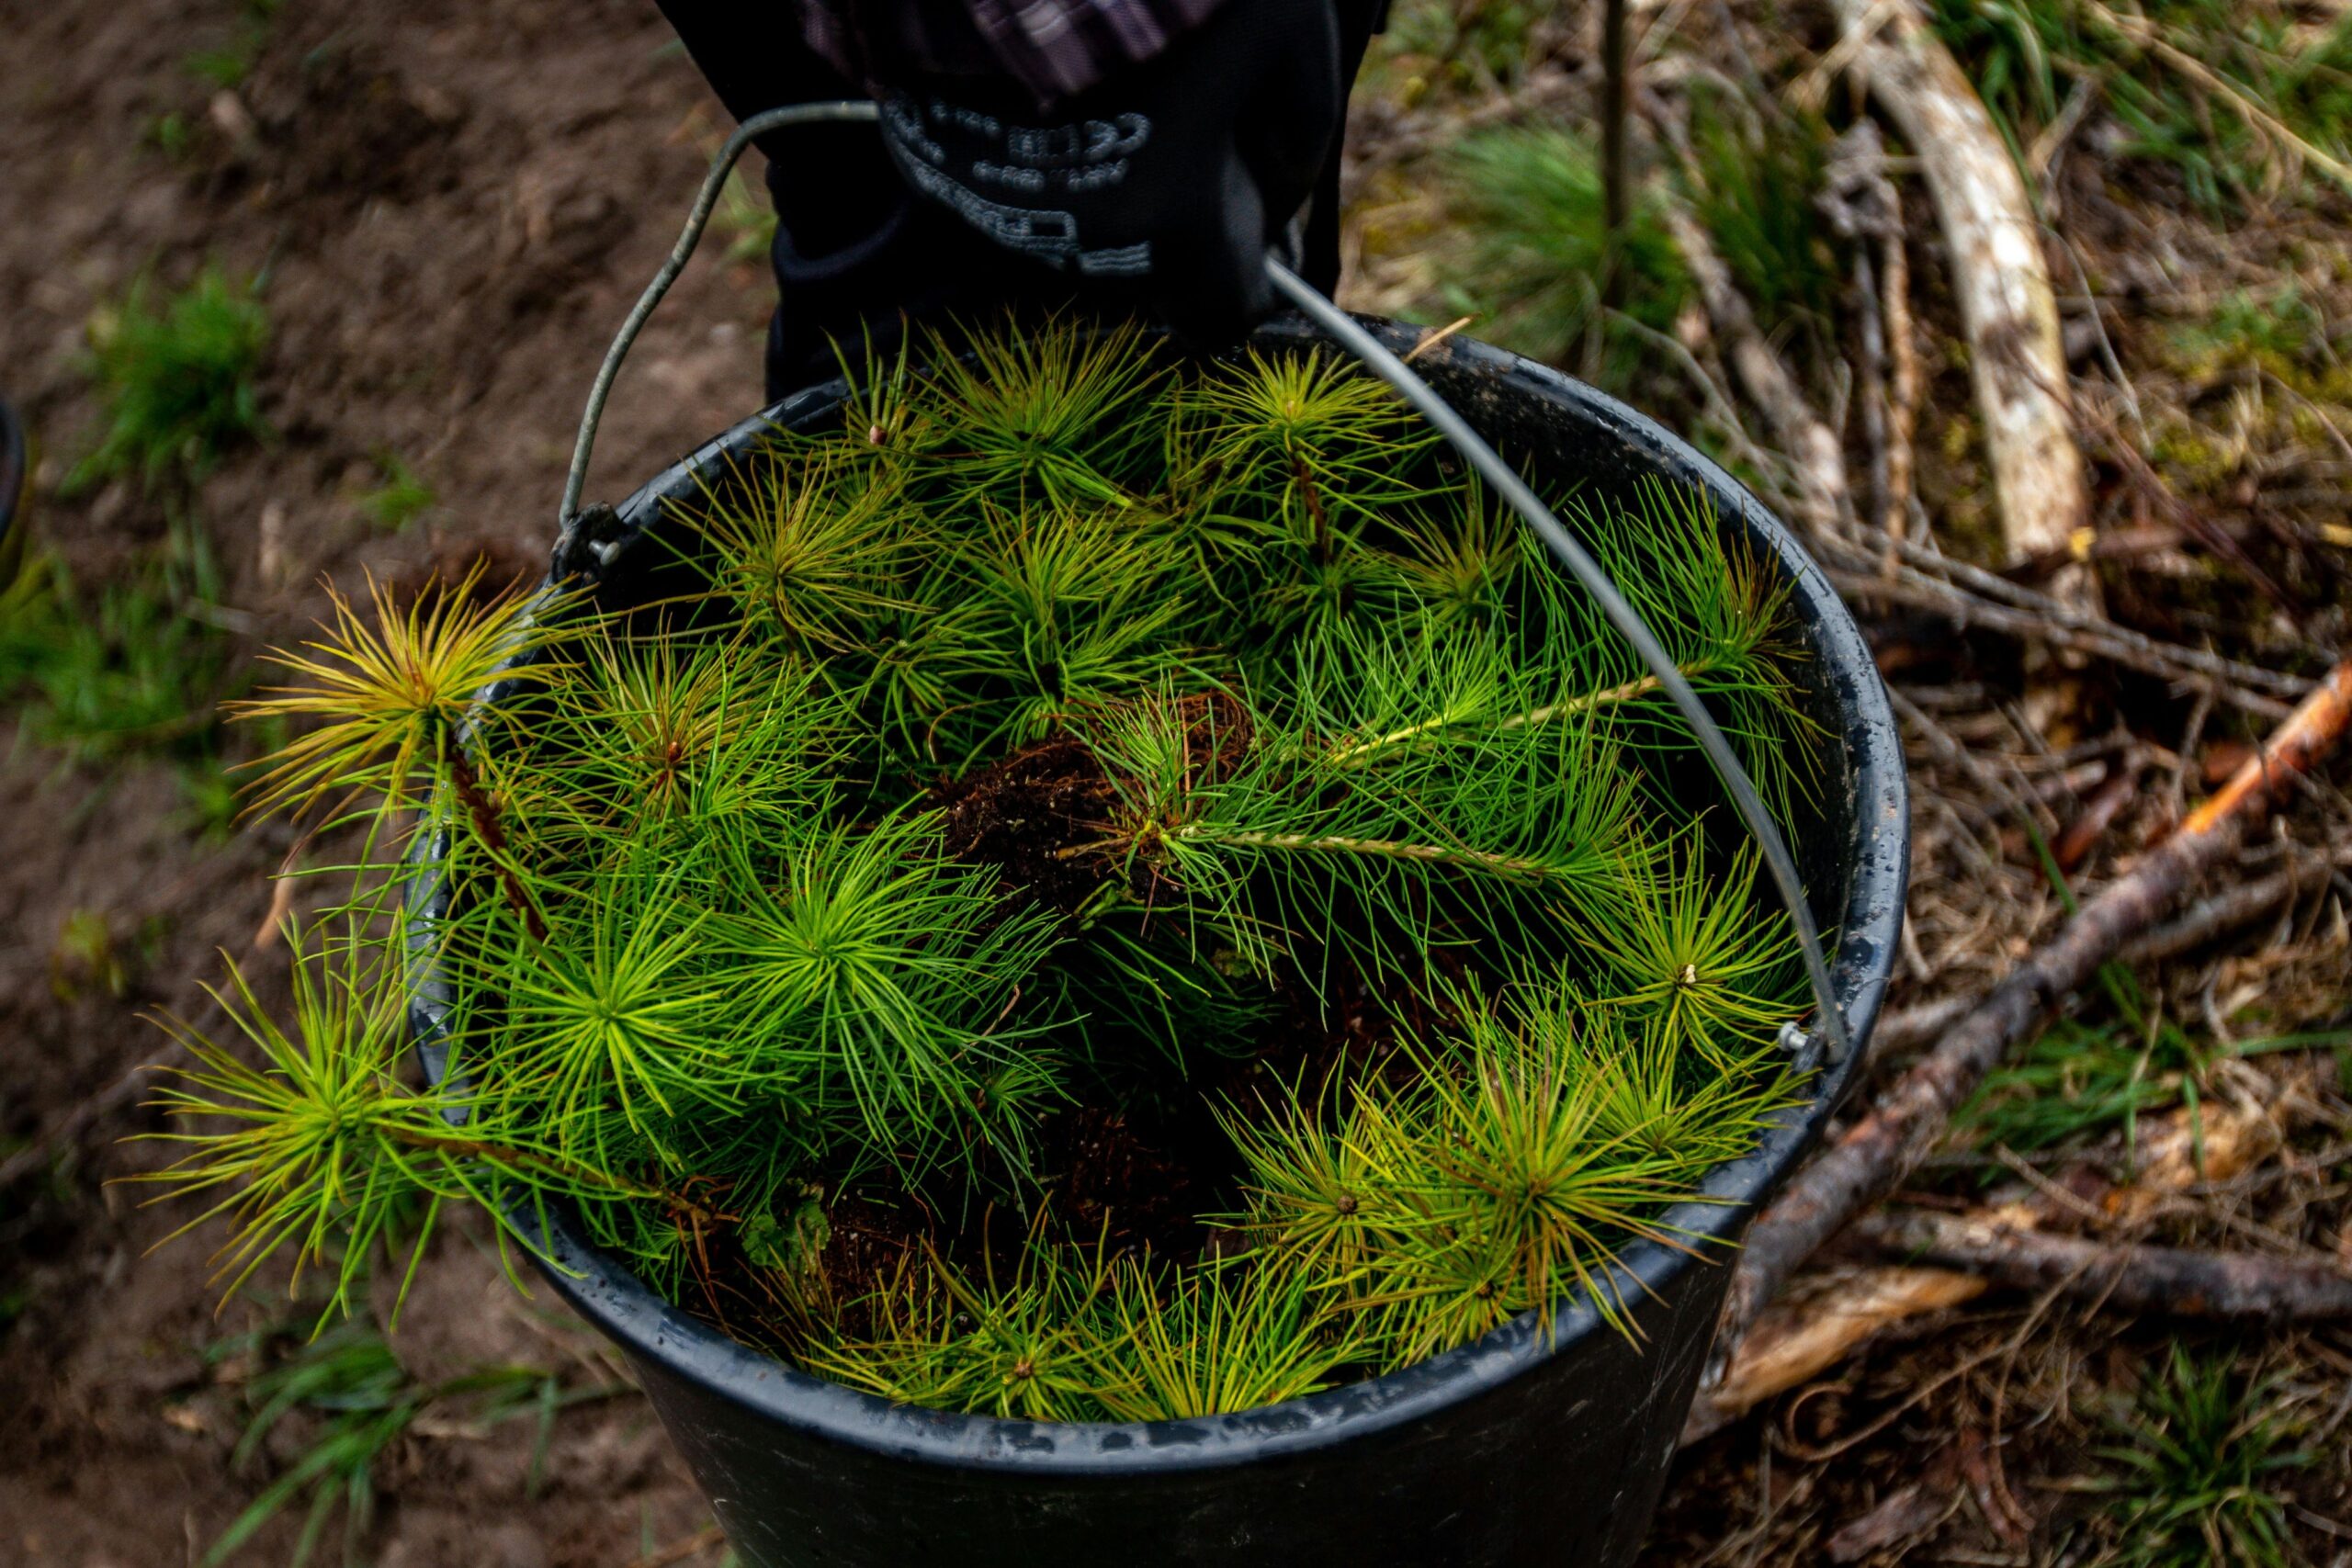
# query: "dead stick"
[1974,586]
[2168,1281]
[1879,1151]
[1863,206]
[2008,311]
[2229,909]
[1903,387]
[1871,335]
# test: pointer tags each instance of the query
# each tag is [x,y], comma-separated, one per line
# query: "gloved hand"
[1176,176]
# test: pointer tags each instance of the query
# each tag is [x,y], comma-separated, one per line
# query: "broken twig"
[1823,501]
[1794,1341]
[2169,1280]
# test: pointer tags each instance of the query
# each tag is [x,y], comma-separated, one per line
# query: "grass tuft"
[360,1402]
[176,379]
[2202,1465]
[1528,198]
[400,499]
[124,670]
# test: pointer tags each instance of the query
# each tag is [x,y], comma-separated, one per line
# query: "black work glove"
[1174,178]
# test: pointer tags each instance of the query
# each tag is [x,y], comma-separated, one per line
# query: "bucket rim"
[1876,816]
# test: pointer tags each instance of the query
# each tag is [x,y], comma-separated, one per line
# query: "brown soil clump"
[1133,1185]
[1015,815]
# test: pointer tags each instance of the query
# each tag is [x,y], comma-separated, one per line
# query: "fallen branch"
[2097,815]
[1970,595]
[1965,609]
[1766,465]
[2167,1280]
[1863,206]
[1877,1152]
[2232,907]
[2008,313]
[1982,584]
[1793,1345]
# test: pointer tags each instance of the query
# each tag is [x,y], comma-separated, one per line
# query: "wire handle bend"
[1621,615]
[759,125]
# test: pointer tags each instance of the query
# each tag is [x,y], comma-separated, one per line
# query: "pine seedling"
[1697,958]
[1073,607]
[1513,1188]
[1723,621]
[887,415]
[1431,676]
[1458,555]
[320,1152]
[645,721]
[612,1016]
[1041,414]
[1292,459]
[316,1148]
[1025,1349]
[808,549]
[885,974]
[1321,1200]
[1512,1162]
[391,697]
[694,736]
[1394,692]
[1655,1094]
[1269,835]
[1215,1339]
[1308,441]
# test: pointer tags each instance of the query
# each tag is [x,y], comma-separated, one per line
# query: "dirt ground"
[453,206]
[450,208]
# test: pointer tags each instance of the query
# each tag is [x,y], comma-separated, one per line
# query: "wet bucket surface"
[1537,1444]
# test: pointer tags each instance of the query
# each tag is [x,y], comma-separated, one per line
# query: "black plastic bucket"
[1527,1446]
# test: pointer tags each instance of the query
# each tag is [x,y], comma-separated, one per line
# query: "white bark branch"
[2008,309]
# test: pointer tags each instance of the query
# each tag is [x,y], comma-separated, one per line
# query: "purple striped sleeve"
[1055,48]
